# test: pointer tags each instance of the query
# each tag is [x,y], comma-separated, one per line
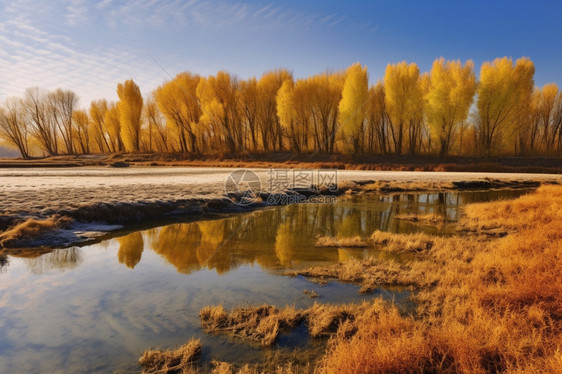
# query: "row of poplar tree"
[446,111]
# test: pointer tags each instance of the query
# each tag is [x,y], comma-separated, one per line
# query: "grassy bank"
[488,301]
[305,161]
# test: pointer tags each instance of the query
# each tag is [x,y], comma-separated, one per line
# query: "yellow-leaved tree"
[322,94]
[528,126]
[268,121]
[287,112]
[249,99]
[547,114]
[352,108]
[377,124]
[113,126]
[81,133]
[504,92]
[218,96]
[403,95]
[449,97]
[130,112]
[157,134]
[177,99]
[98,110]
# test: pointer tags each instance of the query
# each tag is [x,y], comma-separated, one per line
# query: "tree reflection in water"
[60,259]
[4,262]
[285,237]
[130,249]
[276,238]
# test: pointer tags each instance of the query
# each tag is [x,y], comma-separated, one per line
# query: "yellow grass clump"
[32,228]
[330,241]
[424,219]
[220,367]
[369,273]
[261,324]
[326,319]
[180,360]
[311,293]
[402,242]
[383,342]
[531,210]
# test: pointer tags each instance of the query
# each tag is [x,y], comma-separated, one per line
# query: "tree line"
[445,111]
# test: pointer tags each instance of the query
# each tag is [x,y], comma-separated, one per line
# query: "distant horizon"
[90,47]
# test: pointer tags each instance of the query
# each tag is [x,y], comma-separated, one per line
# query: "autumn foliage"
[446,111]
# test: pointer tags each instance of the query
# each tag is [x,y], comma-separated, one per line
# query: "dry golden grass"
[402,242]
[397,243]
[261,324]
[424,219]
[379,341]
[330,241]
[180,360]
[369,273]
[484,306]
[32,228]
[326,319]
[393,186]
[531,210]
[275,367]
[311,293]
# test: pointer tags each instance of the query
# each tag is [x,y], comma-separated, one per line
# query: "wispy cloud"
[212,13]
[37,57]
[56,44]
[76,12]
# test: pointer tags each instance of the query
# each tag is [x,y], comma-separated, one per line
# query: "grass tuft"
[260,324]
[180,360]
[32,228]
[402,242]
[330,241]
[424,219]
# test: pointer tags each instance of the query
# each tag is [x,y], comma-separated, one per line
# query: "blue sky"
[90,46]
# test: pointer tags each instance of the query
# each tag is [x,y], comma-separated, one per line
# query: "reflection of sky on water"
[103,316]
[97,308]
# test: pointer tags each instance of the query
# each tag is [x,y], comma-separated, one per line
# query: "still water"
[97,308]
